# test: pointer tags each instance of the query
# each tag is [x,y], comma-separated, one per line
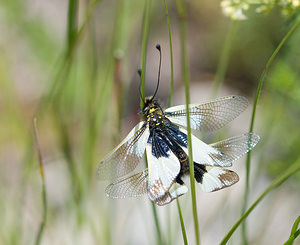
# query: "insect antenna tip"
[139,71]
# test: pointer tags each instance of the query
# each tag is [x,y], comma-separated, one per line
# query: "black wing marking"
[209,116]
[126,156]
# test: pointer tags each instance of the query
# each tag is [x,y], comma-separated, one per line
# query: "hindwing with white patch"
[126,156]
[208,116]
[216,178]
[163,171]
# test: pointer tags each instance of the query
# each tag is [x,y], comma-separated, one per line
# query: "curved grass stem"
[44,194]
[170,104]
[224,59]
[65,61]
[145,33]
[294,168]
[171,57]
[260,84]
[181,9]
[294,232]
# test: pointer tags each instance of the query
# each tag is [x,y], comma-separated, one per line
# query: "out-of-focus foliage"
[237,9]
[96,102]
[282,117]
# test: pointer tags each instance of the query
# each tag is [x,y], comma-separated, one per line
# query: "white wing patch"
[126,156]
[210,115]
[162,174]
[205,154]
[217,178]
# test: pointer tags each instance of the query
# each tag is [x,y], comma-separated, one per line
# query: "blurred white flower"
[234,12]
[236,9]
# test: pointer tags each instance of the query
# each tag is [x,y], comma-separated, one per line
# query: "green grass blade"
[64,62]
[171,57]
[261,80]
[295,225]
[294,232]
[72,22]
[294,168]
[224,59]
[181,9]
[157,225]
[44,194]
[145,33]
[170,104]
[292,238]
[182,223]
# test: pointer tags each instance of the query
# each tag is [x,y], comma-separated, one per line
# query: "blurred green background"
[73,65]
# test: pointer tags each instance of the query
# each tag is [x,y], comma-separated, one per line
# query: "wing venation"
[126,156]
[133,186]
[237,146]
[208,116]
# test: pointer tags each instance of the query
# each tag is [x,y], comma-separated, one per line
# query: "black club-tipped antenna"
[158,79]
[140,74]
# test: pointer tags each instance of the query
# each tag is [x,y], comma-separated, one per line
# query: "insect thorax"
[153,113]
[155,119]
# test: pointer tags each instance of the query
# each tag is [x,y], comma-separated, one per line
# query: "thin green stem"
[66,59]
[294,232]
[294,168]
[182,223]
[157,225]
[181,9]
[171,57]
[292,238]
[224,58]
[145,33]
[261,80]
[170,104]
[295,225]
[72,22]
[44,194]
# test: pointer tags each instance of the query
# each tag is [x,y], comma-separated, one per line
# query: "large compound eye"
[145,110]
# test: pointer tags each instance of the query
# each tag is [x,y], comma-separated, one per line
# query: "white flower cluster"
[236,9]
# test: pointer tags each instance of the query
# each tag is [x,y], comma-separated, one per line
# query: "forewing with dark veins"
[133,186]
[237,146]
[126,156]
[208,116]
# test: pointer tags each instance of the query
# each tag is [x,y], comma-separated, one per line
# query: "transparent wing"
[163,171]
[206,154]
[126,156]
[215,178]
[237,146]
[209,116]
[133,186]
